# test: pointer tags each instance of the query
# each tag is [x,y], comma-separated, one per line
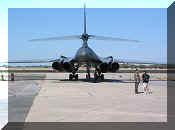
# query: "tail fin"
[84,18]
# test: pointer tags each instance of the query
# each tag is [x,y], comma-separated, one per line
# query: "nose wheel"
[73,76]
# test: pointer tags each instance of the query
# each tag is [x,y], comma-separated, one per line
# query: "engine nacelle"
[57,66]
[103,67]
[67,66]
[114,67]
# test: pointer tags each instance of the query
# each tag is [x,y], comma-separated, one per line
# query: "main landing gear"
[98,75]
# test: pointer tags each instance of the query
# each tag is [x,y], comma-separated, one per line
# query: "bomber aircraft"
[84,56]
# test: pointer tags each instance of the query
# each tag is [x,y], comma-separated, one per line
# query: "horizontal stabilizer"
[111,38]
[74,37]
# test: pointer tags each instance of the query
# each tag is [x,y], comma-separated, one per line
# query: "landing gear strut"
[98,74]
[88,76]
[74,75]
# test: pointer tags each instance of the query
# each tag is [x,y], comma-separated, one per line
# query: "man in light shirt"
[137,81]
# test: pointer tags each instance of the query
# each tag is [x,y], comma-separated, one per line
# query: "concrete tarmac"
[21,94]
[114,100]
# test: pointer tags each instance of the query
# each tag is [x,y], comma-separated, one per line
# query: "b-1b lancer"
[84,56]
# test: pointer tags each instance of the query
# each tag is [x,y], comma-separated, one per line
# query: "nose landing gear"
[74,75]
[88,76]
[71,76]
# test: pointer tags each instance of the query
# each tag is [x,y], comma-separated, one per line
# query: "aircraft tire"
[102,76]
[95,76]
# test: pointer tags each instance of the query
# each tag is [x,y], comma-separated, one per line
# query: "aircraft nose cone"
[82,54]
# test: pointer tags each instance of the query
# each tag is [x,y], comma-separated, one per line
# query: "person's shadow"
[140,92]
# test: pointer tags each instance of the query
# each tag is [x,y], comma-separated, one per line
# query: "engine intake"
[114,67]
[57,66]
[67,66]
[104,67]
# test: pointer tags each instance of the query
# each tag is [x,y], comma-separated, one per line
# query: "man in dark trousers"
[137,81]
[145,78]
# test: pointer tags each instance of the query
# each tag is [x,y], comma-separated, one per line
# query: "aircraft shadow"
[93,81]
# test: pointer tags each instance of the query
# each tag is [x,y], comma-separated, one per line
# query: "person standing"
[137,81]
[2,77]
[145,78]
[12,77]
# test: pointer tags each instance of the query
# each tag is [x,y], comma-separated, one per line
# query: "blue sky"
[147,25]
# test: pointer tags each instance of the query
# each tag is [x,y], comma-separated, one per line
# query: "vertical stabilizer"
[84,18]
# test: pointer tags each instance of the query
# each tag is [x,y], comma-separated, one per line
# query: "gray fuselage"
[86,55]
